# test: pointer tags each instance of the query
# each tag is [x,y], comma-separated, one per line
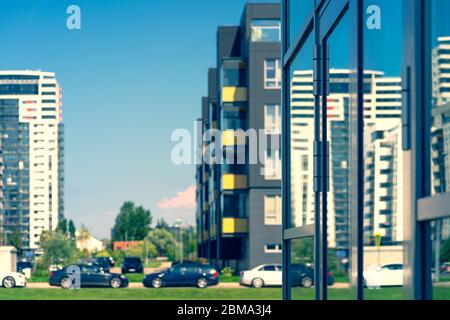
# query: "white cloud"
[183,200]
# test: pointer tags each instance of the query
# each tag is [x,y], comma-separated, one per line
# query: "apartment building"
[32,148]
[239,204]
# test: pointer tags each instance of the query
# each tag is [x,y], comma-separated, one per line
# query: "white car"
[12,280]
[384,276]
[263,275]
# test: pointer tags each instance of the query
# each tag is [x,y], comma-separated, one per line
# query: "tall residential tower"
[31,164]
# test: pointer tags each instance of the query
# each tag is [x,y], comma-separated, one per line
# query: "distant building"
[125,245]
[32,155]
[92,244]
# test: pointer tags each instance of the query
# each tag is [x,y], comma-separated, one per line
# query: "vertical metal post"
[285,150]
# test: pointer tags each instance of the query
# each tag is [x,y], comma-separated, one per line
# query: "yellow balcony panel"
[234,226]
[233,138]
[234,182]
[234,94]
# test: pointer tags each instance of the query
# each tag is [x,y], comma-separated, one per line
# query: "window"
[272,164]
[272,248]
[272,210]
[266,31]
[272,74]
[272,119]
[233,117]
[269,268]
[233,73]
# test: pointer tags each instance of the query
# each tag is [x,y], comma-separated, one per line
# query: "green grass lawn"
[197,294]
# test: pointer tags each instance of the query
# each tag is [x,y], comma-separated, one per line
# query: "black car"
[181,274]
[132,265]
[103,263]
[21,265]
[91,276]
[303,276]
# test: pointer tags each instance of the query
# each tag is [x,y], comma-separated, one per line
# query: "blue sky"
[134,72]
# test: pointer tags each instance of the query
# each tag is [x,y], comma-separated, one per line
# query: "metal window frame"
[424,207]
[420,207]
[320,22]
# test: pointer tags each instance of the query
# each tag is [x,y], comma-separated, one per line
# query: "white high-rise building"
[31,143]
[383,115]
[441,72]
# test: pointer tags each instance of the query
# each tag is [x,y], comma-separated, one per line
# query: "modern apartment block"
[32,149]
[239,204]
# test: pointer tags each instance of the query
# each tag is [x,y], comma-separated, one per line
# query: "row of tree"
[132,224]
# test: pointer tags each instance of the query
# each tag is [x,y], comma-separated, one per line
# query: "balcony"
[232,138]
[234,94]
[234,182]
[231,226]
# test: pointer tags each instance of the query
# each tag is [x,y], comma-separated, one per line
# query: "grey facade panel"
[259,233]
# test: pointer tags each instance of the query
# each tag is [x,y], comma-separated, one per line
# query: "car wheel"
[157,283]
[115,283]
[258,283]
[202,283]
[65,283]
[307,282]
[9,282]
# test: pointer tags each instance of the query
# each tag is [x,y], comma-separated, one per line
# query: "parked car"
[303,276]
[91,276]
[263,275]
[132,265]
[183,274]
[267,275]
[103,263]
[12,280]
[22,265]
[386,275]
[445,267]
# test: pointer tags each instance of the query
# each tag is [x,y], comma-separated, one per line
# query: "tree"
[132,223]
[62,226]
[72,230]
[14,239]
[163,241]
[57,248]
[83,238]
[445,251]
[162,224]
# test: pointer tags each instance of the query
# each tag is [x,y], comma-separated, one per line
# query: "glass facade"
[362,184]
[14,142]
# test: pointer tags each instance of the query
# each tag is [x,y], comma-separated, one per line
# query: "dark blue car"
[91,276]
[183,275]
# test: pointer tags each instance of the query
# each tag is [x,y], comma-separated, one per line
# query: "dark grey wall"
[259,233]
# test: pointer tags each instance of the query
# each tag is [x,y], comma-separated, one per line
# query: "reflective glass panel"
[383,154]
